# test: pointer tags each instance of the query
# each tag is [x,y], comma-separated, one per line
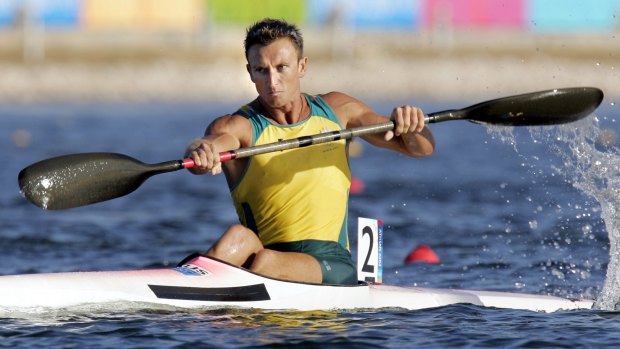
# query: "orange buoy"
[423,254]
[357,186]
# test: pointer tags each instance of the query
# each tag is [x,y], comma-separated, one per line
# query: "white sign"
[370,250]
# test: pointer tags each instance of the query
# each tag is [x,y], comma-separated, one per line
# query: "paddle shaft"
[305,141]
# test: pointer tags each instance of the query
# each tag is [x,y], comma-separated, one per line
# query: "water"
[514,210]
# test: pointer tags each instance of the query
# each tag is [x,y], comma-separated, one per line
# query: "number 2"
[368,268]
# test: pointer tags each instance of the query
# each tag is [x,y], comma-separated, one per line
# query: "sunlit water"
[519,210]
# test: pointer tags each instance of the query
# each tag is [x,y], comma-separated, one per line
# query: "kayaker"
[292,205]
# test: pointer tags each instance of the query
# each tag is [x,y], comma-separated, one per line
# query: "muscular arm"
[410,136]
[225,133]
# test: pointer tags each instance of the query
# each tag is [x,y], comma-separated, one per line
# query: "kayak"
[201,282]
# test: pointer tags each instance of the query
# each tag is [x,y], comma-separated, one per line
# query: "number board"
[370,250]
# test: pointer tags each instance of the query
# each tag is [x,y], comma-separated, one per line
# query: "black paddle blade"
[549,107]
[82,179]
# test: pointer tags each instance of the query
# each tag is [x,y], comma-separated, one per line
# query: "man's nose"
[273,78]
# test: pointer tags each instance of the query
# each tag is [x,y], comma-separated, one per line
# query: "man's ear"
[301,66]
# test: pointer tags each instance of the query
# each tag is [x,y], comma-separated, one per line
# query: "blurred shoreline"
[435,66]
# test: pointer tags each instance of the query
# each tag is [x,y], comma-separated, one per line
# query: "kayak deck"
[204,282]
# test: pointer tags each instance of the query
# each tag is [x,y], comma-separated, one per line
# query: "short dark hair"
[268,30]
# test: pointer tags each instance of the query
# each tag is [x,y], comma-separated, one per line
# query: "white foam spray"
[592,165]
[589,159]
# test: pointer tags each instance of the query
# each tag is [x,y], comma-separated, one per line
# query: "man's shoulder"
[334,96]
[234,123]
[337,100]
[232,118]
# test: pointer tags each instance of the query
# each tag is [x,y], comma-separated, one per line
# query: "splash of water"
[590,162]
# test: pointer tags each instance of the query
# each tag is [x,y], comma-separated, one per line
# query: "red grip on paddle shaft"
[188,163]
[224,156]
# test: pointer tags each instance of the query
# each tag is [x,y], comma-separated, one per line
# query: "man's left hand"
[408,119]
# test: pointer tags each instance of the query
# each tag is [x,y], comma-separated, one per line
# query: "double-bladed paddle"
[81,179]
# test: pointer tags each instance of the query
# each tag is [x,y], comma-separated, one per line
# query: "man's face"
[276,71]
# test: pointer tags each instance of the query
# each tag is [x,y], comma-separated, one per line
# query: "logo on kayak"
[191,270]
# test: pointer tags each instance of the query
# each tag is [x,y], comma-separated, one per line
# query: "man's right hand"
[206,159]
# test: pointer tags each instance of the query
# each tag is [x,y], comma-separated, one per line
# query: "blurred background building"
[43,39]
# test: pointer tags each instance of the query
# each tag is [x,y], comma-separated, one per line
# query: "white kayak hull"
[203,282]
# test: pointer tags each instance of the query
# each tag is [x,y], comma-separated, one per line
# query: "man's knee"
[238,234]
[263,260]
[236,245]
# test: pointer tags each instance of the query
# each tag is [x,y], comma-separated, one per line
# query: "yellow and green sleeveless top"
[298,194]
